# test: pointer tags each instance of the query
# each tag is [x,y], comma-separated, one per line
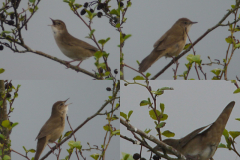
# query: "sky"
[34,105]
[191,105]
[147,21]
[39,36]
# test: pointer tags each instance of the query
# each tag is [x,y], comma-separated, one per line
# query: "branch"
[153,139]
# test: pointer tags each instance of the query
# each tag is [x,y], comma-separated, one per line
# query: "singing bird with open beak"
[202,146]
[170,44]
[70,46]
[53,128]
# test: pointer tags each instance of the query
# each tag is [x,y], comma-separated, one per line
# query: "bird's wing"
[48,127]
[166,42]
[80,43]
[183,141]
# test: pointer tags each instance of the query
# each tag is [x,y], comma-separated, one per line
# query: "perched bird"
[53,128]
[70,46]
[170,44]
[202,146]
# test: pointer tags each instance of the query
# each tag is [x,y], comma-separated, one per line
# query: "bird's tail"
[221,121]
[149,60]
[41,144]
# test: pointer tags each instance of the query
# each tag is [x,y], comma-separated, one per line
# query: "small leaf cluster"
[230,137]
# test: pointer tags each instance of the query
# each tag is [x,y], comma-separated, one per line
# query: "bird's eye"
[185,22]
[59,23]
[61,104]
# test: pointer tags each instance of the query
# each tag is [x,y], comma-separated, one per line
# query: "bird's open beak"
[66,101]
[52,22]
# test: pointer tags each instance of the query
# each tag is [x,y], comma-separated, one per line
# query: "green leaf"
[24,149]
[166,88]
[106,127]
[122,114]
[168,133]
[114,11]
[117,25]
[233,81]
[6,124]
[162,107]
[222,145]
[164,117]
[129,114]
[90,14]
[67,133]
[2,70]
[126,156]
[216,71]
[2,136]
[31,10]
[144,103]
[6,157]
[225,133]
[160,125]
[233,6]
[147,131]
[229,40]
[14,124]
[74,144]
[110,78]
[234,134]
[32,150]
[237,91]
[237,45]
[127,36]
[148,74]
[129,4]
[91,33]
[98,54]
[139,78]
[238,119]
[187,46]
[117,132]
[77,5]
[103,41]
[158,92]
[95,156]
[153,115]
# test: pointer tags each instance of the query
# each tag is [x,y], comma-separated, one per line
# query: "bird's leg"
[51,149]
[79,64]
[68,62]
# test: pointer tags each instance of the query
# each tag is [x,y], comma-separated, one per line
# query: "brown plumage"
[70,46]
[202,146]
[53,128]
[169,45]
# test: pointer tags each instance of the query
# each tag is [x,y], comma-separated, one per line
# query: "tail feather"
[221,121]
[149,60]
[41,144]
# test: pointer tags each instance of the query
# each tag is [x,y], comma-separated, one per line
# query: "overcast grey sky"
[39,36]
[191,105]
[34,105]
[147,21]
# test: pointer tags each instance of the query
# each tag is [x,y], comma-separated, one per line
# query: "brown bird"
[53,128]
[202,146]
[170,44]
[70,46]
